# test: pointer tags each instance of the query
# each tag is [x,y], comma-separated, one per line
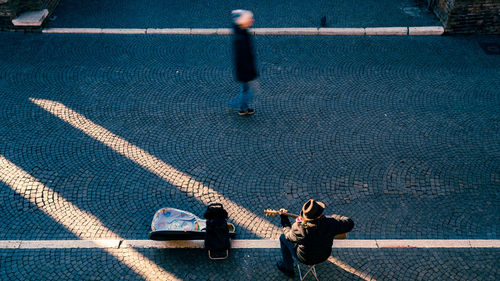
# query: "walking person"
[244,61]
[310,238]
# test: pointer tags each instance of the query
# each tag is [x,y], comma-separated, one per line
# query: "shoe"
[246,112]
[282,268]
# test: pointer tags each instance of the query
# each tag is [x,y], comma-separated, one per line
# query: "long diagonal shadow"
[71,217]
[182,181]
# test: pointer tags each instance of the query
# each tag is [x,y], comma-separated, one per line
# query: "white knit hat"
[241,16]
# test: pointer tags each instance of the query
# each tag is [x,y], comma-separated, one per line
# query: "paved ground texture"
[394,264]
[100,131]
[217,13]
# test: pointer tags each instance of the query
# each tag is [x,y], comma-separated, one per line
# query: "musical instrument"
[272,213]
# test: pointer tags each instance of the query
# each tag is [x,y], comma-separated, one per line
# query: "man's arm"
[342,226]
[288,229]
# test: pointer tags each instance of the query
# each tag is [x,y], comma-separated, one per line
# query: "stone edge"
[31,18]
[247,244]
[421,30]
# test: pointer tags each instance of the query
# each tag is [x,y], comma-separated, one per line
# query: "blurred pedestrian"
[244,61]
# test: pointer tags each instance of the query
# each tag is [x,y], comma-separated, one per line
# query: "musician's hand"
[282,213]
[284,218]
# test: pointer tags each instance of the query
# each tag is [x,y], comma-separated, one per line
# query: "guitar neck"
[290,215]
[270,212]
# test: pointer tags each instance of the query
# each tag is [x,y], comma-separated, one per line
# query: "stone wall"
[468,16]
[7,10]
[10,9]
[441,8]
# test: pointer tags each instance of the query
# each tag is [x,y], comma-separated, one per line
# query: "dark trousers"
[288,252]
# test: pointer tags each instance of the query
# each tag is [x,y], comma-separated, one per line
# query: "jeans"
[244,98]
[288,252]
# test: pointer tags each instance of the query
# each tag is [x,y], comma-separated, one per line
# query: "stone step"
[32,18]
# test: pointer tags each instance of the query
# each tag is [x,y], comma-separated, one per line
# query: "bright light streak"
[350,269]
[182,181]
[74,219]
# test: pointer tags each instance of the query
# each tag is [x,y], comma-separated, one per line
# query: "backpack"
[217,237]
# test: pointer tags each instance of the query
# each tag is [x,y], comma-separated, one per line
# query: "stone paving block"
[224,31]
[484,243]
[73,30]
[163,244]
[123,31]
[426,30]
[10,244]
[203,31]
[284,31]
[424,243]
[386,31]
[341,31]
[168,31]
[69,244]
[255,244]
[355,243]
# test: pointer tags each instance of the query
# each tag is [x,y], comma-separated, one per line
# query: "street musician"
[310,238]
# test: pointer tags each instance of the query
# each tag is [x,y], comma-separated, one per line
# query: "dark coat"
[314,243]
[244,60]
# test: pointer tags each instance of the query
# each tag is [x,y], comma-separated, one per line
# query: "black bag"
[217,238]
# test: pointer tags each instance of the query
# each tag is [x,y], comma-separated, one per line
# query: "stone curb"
[422,30]
[484,243]
[60,244]
[341,31]
[423,244]
[203,31]
[426,30]
[386,31]
[284,31]
[168,31]
[246,244]
[123,31]
[73,30]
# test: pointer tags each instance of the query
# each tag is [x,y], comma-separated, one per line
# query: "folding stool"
[312,270]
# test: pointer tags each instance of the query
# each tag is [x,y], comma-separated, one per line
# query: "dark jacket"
[314,243]
[244,61]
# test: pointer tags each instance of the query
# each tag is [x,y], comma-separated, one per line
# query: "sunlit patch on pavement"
[182,181]
[72,217]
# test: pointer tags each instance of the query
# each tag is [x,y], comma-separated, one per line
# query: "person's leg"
[287,252]
[242,101]
[236,101]
[246,96]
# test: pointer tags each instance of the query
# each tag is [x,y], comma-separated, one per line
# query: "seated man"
[310,238]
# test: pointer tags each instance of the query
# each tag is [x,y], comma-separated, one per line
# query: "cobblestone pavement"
[216,13]
[394,264]
[399,133]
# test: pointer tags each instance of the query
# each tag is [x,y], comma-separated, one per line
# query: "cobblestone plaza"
[99,131]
